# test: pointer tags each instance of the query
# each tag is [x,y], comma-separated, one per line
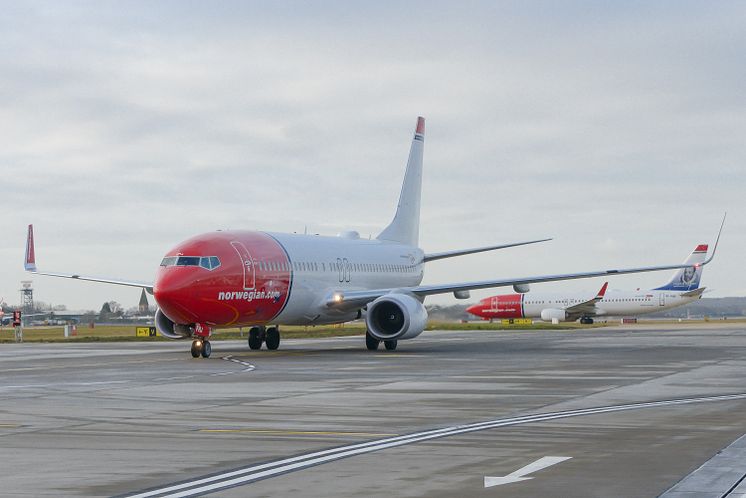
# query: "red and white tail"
[405,227]
[30,262]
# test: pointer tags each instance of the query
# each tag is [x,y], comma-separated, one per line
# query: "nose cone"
[173,291]
[474,309]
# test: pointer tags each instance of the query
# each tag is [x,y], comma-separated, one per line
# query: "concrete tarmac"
[325,417]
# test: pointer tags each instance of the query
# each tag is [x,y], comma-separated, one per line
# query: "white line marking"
[248,366]
[517,476]
[253,473]
[66,384]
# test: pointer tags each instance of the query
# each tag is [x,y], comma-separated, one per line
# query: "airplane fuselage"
[246,278]
[614,303]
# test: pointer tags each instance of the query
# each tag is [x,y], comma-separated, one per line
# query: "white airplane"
[683,288]
[263,280]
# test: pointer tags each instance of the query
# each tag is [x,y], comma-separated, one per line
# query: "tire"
[390,345]
[255,338]
[273,338]
[206,349]
[195,350]
[371,342]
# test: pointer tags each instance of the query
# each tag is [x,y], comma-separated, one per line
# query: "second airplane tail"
[687,279]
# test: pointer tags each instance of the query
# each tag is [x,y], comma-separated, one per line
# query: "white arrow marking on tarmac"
[517,476]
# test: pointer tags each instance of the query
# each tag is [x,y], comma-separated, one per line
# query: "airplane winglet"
[601,293]
[30,262]
[420,130]
[715,247]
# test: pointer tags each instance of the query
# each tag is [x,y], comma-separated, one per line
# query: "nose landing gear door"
[249,270]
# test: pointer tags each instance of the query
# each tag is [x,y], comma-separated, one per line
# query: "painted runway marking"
[65,384]
[517,476]
[252,473]
[248,367]
[297,433]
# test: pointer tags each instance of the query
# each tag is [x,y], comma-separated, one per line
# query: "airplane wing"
[587,307]
[30,266]
[462,252]
[356,299]
[350,300]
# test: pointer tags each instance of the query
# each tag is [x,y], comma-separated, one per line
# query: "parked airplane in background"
[262,279]
[683,288]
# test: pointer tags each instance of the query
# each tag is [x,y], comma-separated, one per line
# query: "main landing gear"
[267,335]
[201,347]
[586,320]
[372,343]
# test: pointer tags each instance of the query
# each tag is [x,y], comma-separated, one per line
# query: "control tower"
[27,296]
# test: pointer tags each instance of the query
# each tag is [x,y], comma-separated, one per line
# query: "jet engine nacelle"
[167,328]
[396,316]
[550,314]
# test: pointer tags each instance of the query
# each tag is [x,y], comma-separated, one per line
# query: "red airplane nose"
[173,291]
[474,309]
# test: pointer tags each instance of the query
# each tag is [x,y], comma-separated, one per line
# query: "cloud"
[127,128]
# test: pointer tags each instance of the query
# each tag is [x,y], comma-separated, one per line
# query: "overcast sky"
[619,128]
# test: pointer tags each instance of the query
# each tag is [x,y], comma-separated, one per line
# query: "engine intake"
[167,328]
[396,316]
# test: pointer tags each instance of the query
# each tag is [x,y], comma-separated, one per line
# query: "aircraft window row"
[375,267]
[206,262]
[312,266]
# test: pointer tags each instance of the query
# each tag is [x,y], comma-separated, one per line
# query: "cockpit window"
[206,262]
[188,261]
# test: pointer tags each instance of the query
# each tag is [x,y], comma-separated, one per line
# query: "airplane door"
[249,269]
[662,299]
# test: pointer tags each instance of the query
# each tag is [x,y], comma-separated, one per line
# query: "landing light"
[338,297]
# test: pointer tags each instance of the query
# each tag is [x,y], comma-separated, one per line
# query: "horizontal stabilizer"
[462,252]
[695,292]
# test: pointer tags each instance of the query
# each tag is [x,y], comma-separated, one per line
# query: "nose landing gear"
[201,346]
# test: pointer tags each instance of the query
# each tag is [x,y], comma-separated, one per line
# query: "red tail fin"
[30,263]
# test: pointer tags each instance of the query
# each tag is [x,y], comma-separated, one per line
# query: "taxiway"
[633,411]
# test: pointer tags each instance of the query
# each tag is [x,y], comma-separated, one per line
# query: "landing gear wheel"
[273,338]
[390,345]
[586,321]
[206,349]
[196,349]
[371,342]
[255,338]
